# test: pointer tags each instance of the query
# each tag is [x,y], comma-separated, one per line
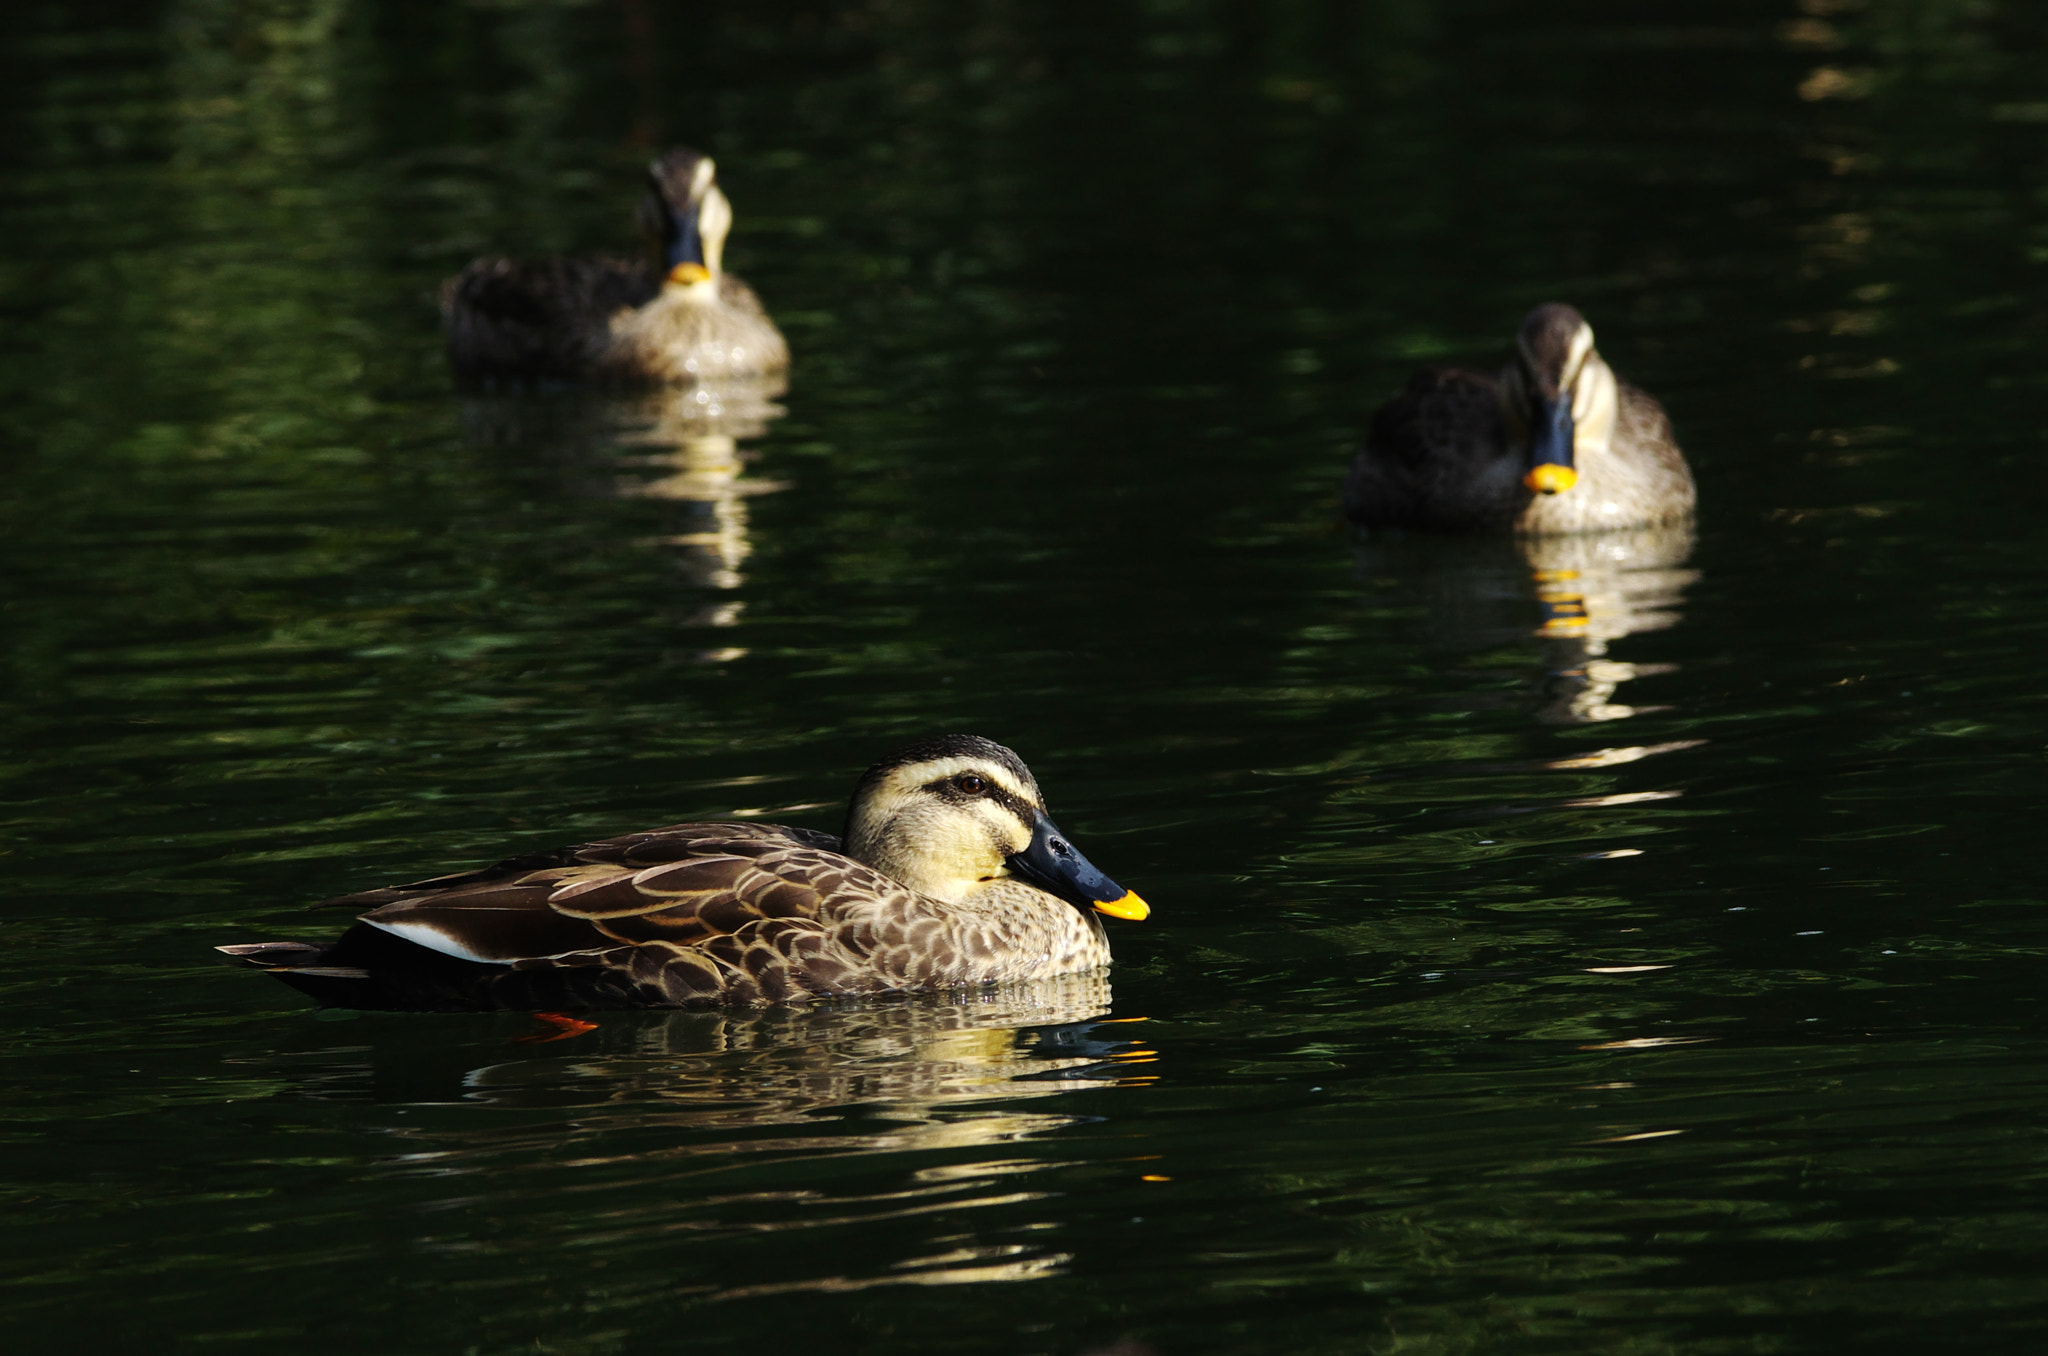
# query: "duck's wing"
[1438,455]
[1643,433]
[651,847]
[538,319]
[693,913]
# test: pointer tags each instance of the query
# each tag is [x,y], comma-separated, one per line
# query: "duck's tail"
[301,958]
[368,969]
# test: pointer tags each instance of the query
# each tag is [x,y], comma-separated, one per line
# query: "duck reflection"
[910,1065]
[1595,589]
[718,1126]
[904,1062]
[682,446]
[1589,590]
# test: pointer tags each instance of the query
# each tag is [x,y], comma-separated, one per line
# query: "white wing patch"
[432,938]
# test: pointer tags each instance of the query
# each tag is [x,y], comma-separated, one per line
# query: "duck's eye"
[971,784]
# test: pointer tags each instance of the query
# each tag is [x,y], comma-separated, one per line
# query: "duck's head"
[1567,393]
[685,210]
[950,815]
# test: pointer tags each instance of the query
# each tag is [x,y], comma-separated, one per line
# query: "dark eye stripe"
[991,790]
[1016,805]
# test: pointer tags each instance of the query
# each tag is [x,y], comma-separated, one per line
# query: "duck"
[1555,444]
[680,321]
[949,875]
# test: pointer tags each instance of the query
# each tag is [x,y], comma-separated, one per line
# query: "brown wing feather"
[693,913]
[676,842]
[498,922]
[538,319]
[673,915]
[623,892]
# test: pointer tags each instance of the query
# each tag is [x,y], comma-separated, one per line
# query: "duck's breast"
[1640,480]
[693,334]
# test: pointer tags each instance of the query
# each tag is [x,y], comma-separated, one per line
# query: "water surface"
[1642,960]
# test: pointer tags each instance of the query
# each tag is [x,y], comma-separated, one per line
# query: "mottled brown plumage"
[679,319]
[1452,451]
[740,913]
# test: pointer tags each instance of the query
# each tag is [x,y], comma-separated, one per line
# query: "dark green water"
[1089,303]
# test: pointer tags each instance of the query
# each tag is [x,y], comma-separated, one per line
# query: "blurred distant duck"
[950,875]
[1555,444]
[609,319]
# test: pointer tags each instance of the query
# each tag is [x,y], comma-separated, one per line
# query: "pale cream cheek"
[1006,833]
[714,219]
[938,849]
[961,846]
[1575,357]
[1595,402]
[1586,390]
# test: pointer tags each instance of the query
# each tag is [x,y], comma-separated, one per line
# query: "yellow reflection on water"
[692,442]
[1589,591]
[1595,589]
[909,1059]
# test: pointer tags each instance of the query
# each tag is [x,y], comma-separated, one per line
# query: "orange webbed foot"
[561,1026]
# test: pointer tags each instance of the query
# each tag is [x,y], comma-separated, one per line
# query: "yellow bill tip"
[1126,905]
[1550,478]
[689,273]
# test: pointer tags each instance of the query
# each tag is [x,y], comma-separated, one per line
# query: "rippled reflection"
[924,1086]
[1595,589]
[745,1068]
[1589,590]
[682,446]
[691,449]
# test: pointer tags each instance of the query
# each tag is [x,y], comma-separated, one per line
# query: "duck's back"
[690,914]
[1438,457]
[539,319]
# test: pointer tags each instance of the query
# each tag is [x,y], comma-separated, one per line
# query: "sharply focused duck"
[608,319]
[1557,443]
[950,875]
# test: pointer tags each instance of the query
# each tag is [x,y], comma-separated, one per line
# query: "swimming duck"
[950,875]
[608,319]
[1557,443]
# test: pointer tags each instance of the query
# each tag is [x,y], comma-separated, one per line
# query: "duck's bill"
[682,236]
[1129,906]
[1550,450]
[1057,867]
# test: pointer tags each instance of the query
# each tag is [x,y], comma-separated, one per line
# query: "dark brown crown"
[949,746]
[674,172]
[1546,341]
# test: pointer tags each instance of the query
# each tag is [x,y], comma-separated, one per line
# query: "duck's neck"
[951,877]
